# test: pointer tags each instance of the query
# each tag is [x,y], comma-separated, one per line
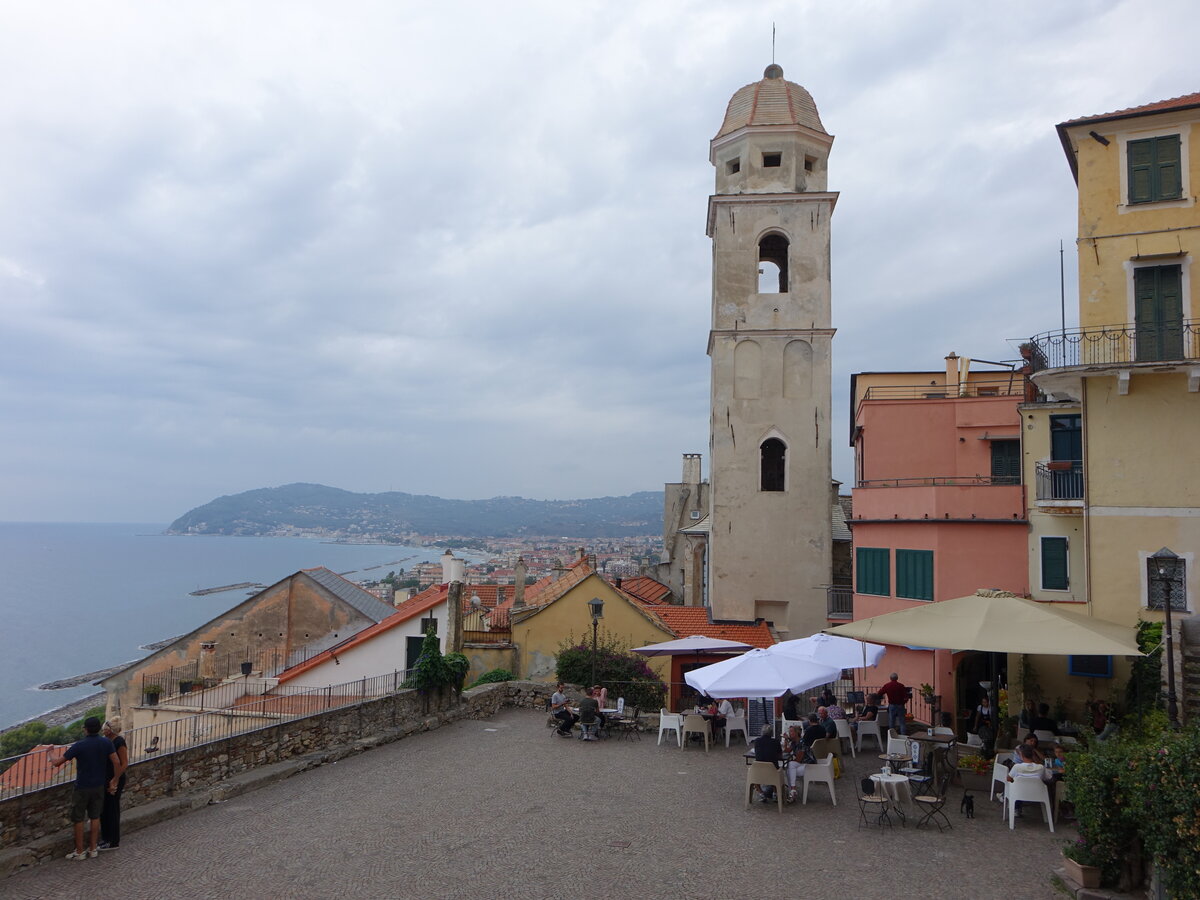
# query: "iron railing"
[941,481]
[1114,344]
[1059,480]
[32,771]
[839,602]
[268,663]
[1011,386]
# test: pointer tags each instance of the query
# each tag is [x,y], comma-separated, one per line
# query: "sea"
[76,598]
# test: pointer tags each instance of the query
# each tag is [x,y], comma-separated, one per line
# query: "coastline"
[61,715]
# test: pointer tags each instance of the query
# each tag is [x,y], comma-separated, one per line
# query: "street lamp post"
[1166,564]
[596,606]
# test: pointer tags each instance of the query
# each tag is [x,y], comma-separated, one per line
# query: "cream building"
[1111,453]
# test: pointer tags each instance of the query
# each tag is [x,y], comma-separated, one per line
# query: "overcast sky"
[459,249]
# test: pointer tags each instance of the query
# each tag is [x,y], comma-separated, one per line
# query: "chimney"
[691,468]
[617,582]
[952,374]
[447,567]
[519,573]
[208,659]
[454,617]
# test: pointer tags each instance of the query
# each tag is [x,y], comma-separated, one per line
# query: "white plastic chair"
[870,729]
[948,732]
[844,733]
[974,740]
[785,723]
[736,722]
[1027,789]
[1000,774]
[897,745]
[668,721]
[1046,737]
[620,705]
[821,772]
[695,724]
[764,773]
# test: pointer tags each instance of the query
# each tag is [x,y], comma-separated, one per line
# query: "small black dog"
[967,807]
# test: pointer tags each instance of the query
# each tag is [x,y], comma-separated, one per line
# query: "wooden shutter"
[1166,167]
[914,574]
[872,575]
[1141,176]
[1054,564]
[1006,462]
[1158,308]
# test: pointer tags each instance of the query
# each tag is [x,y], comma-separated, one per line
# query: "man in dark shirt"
[814,731]
[897,698]
[825,722]
[1042,721]
[92,756]
[589,713]
[767,749]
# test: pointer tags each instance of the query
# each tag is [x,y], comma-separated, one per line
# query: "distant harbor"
[226,587]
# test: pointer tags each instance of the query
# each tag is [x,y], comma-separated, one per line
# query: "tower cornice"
[820,138]
[754,333]
[716,200]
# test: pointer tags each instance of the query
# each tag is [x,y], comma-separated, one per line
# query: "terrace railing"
[839,602]
[1114,345]
[1059,480]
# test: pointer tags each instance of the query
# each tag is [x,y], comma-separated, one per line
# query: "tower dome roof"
[771,101]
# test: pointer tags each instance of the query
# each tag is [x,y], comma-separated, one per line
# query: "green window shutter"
[1054,564]
[1166,168]
[1006,462]
[914,574]
[872,575]
[1141,177]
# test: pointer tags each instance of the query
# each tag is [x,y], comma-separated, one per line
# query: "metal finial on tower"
[772,43]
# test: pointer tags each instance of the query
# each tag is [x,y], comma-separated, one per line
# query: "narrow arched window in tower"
[773,264]
[773,464]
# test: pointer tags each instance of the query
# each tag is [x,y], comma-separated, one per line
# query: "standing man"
[561,710]
[92,757]
[897,698]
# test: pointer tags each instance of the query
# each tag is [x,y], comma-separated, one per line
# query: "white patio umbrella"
[696,643]
[843,652]
[760,673]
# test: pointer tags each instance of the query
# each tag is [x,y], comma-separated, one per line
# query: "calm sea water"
[77,598]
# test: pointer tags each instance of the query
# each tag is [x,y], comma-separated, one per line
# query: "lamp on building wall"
[1166,569]
[596,607]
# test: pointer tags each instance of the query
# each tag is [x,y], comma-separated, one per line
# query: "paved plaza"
[503,808]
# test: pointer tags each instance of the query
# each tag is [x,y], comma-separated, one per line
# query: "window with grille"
[1156,587]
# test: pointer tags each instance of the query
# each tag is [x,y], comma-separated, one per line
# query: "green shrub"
[456,666]
[495,676]
[430,671]
[625,674]
[1145,677]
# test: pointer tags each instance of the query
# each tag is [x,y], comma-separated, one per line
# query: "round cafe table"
[897,789]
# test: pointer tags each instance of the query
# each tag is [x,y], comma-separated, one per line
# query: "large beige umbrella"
[997,621]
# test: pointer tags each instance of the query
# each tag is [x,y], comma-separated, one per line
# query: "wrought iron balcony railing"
[1059,480]
[1114,345]
[839,602]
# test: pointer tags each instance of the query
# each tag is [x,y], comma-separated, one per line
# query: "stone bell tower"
[770,544]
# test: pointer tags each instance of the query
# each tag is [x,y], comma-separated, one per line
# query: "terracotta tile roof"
[32,769]
[409,609]
[1187,101]
[771,101]
[689,620]
[646,589]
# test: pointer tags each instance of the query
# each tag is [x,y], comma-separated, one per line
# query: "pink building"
[939,508]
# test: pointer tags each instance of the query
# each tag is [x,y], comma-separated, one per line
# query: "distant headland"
[315,510]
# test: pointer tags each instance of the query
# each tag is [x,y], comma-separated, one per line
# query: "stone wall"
[41,814]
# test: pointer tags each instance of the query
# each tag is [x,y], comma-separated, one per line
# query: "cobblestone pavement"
[503,808]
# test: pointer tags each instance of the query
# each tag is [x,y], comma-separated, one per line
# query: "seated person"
[1042,721]
[589,713]
[826,722]
[767,749]
[716,721]
[1027,767]
[814,731]
[825,698]
[791,705]
[835,710]
[1030,741]
[560,708]
[869,712]
[794,752]
[1028,714]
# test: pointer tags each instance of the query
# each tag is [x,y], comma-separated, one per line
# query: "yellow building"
[1110,452]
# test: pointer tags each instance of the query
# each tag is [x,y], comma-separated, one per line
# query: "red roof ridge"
[1183,101]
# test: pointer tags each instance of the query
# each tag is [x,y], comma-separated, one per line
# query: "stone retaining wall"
[35,816]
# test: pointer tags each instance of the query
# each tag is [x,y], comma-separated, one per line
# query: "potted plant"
[974,772]
[927,693]
[1080,862]
[247,667]
[185,686]
[150,694]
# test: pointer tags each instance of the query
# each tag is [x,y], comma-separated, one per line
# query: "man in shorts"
[560,708]
[92,756]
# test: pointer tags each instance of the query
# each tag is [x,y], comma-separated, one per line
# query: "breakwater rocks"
[76,680]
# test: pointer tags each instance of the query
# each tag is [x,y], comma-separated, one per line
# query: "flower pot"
[185,687]
[247,668]
[150,699]
[1084,876]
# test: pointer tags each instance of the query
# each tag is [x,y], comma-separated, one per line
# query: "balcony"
[1013,385]
[839,602]
[1059,480]
[953,497]
[1114,345]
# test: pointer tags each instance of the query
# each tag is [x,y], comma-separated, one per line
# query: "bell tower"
[769,433]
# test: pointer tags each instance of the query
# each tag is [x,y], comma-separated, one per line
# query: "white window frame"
[1041,556]
[1183,130]
[1189,582]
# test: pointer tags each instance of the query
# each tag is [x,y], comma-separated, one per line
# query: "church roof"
[771,101]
